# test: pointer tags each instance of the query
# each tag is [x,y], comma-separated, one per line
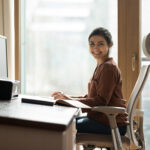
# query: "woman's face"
[99,47]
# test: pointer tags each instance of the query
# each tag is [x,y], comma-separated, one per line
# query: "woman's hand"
[60,95]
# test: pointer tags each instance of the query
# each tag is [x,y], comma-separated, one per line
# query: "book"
[72,103]
[51,101]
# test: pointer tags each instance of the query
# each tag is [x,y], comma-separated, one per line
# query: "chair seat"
[99,140]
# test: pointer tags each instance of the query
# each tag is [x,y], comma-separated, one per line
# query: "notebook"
[38,100]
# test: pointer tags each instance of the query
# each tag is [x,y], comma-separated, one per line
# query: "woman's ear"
[111,44]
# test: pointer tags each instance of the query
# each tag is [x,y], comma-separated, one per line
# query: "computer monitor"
[3,58]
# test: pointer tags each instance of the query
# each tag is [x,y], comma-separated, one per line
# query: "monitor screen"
[3,58]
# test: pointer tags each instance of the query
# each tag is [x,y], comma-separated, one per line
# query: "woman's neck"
[101,60]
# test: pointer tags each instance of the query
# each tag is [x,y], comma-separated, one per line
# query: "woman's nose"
[96,47]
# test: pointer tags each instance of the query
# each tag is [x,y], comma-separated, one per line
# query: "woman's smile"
[96,53]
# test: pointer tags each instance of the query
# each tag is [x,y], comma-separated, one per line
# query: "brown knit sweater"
[105,89]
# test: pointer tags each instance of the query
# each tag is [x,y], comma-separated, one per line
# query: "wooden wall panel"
[133,43]
[129,42]
[122,46]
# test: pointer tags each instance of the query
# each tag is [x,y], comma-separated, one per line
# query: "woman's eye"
[91,44]
[100,44]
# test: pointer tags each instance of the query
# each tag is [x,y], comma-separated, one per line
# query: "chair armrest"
[111,113]
[109,110]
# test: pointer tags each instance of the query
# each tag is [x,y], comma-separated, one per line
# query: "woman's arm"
[76,97]
[61,95]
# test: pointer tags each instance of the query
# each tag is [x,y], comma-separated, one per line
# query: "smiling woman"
[100,41]
[104,89]
[98,46]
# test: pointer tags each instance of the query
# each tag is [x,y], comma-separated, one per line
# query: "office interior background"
[54,45]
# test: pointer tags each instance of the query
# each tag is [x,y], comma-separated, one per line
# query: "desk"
[36,127]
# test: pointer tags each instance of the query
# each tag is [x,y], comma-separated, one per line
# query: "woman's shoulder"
[110,65]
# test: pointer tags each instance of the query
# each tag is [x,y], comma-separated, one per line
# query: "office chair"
[115,141]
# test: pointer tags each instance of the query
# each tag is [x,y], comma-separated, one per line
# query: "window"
[146,93]
[55,53]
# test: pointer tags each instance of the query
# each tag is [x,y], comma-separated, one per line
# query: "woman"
[104,89]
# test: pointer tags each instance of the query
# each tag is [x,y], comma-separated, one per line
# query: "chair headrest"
[146,45]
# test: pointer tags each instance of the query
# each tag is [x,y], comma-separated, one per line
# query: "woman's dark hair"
[102,32]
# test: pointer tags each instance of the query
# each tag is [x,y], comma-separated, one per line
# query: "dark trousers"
[87,125]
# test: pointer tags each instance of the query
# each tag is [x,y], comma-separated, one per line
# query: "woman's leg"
[88,125]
